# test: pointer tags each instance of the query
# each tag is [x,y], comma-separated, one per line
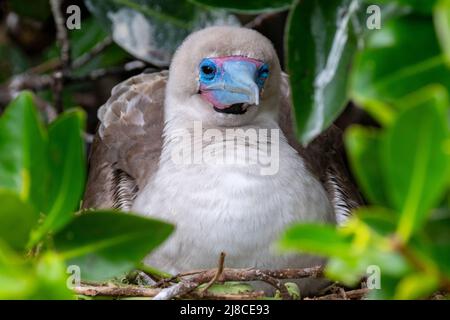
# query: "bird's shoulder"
[128,143]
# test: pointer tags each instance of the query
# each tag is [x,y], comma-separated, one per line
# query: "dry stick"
[180,289]
[260,19]
[63,40]
[248,274]
[130,67]
[410,256]
[218,273]
[255,274]
[95,51]
[135,291]
[193,279]
[346,295]
[277,285]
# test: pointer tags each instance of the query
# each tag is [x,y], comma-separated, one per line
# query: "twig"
[256,274]
[110,291]
[414,260]
[95,51]
[145,292]
[63,40]
[218,273]
[260,19]
[209,276]
[61,33]
[190,281]
[277,285]
[128,68]
[347,295]
[176,290]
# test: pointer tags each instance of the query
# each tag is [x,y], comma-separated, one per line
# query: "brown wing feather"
[126,149]
[324,157]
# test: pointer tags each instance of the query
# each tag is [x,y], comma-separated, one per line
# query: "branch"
[260,19]
[95,51]
[63,40]
[61,33]
[344,295]
[135,291]
[218,273]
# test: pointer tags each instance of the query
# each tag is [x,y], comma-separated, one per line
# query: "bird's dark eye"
[208,70]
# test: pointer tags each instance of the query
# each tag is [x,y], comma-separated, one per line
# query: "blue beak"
[228,81]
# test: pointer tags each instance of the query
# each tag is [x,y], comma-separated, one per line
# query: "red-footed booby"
[220,79]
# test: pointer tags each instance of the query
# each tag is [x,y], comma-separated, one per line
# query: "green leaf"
[347,271]
[16,282]
[247,7]
[230,287]
[319,239]
[17,219]
[23,158]
[363,148]
[41,279]
[105,244]
[380,220]
[420,6]
[51,279]
[320,49]
[416,286]
[152,30]
[384,73]
[415,162]
[36,9]
[441,17]
[67,171]
[434,242]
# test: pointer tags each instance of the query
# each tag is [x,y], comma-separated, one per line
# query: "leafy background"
[387,88]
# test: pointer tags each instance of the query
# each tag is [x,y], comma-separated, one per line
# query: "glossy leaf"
[67,167]
[363,147]
[17,219]
[105,244]
[248,7]
[16,282]
[416,286]
[434,242]
[23,157]
[151,30]
[400,58]
[320,47]
[44,278]
[317,239]
[51,279]
[420,6]
[415,162]
[380,220]
[36,9]
[441,16]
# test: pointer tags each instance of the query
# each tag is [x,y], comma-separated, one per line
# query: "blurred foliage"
[42,174]
[399,74]
[151,30]
[36,9]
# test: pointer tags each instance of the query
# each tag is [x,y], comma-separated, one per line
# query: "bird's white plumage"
[230,208]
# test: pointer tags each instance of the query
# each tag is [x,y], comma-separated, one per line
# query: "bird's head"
[224,76]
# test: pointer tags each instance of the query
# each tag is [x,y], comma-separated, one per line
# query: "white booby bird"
[221,78]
